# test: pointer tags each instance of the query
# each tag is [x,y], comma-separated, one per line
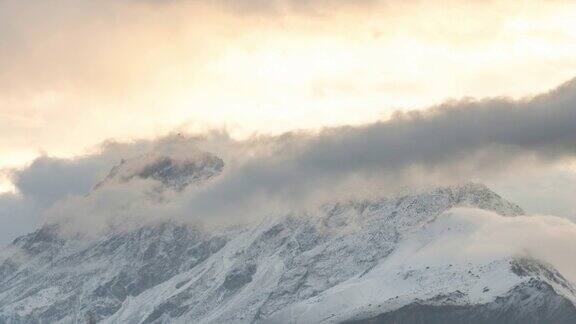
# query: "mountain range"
[355,261]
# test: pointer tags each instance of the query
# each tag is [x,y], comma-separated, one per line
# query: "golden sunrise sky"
[74,73]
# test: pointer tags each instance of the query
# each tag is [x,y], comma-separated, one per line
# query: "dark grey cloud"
[17,216]
[46,181]
[455,142]
[49,180]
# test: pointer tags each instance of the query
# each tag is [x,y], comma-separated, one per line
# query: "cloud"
[452,143]
[18,216]
[277,7]
[464,235]
[545,190]
[139,68]
[49,180]
[455,142]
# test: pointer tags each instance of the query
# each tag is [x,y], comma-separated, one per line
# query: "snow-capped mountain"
[352,263]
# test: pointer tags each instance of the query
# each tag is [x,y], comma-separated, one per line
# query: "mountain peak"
[174,172]
[481,196]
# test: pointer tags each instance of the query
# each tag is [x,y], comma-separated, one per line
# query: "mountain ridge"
[291,268]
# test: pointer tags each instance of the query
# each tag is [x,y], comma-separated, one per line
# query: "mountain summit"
[173,172]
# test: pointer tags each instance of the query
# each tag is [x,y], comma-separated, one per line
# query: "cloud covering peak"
[455,142]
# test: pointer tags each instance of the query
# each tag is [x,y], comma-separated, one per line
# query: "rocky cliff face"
[293,268]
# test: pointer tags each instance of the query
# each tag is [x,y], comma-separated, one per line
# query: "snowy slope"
[357,260]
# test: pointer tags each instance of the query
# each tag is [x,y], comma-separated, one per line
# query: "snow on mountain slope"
[423,270]
[351,262]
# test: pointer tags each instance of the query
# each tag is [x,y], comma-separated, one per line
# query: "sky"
[84,84]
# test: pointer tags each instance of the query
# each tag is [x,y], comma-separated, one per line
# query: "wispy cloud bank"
[454,142]
[464,235]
